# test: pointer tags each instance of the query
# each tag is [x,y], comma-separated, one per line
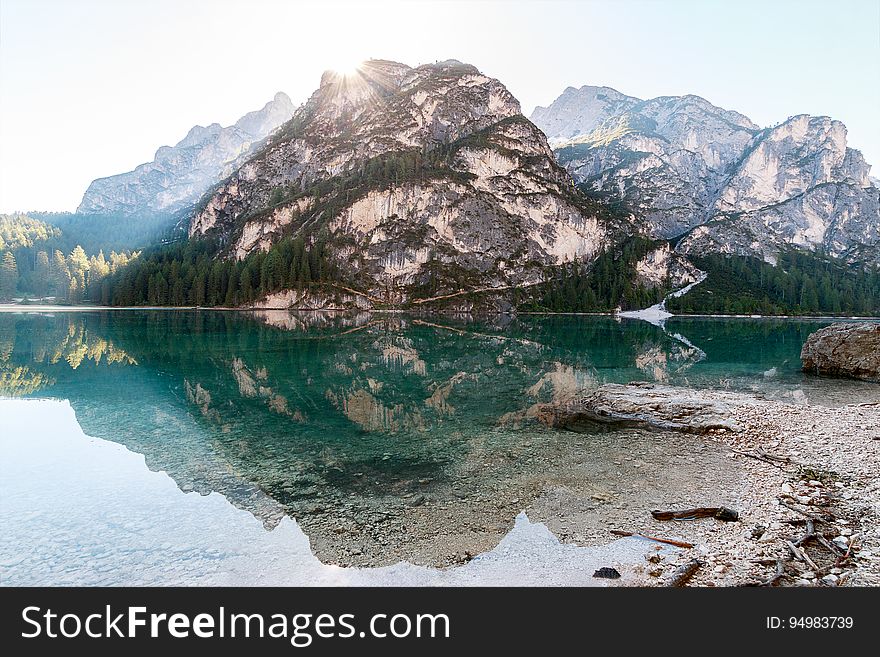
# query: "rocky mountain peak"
[788,160]
[382,107]
[417,178]
[344,96]
[380,89]
[197,135]
[180,174]
[580,111]
[260,123]
[686,167]
[693,105]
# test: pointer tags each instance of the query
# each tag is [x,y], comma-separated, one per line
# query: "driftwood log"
[718,512]
[683,574]
[641,404]
[668,541]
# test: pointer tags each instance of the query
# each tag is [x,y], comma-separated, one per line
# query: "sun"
[346,67]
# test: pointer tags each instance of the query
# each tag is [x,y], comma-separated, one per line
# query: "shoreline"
[12,308]
[787,463]
[808,476]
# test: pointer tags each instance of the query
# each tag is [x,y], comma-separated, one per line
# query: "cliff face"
[799,185]
[416,178]
[688,168]
[180,174]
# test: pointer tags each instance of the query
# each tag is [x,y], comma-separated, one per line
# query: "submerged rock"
[645,404]
[844,349]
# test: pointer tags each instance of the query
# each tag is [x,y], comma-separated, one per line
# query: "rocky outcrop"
[663,157]
[317,299]
[799,186]
[180,174]
[844,349]
[645,405]
[688,168]
[422,182]
[664,266]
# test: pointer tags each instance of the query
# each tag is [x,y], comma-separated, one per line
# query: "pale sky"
[92,88]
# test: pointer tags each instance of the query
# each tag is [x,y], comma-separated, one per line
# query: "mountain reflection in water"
[363,427]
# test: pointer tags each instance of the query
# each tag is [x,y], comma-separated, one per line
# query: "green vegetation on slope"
[609,283]
[107,232]
[800,284]
[391,168]
[62,254]
[18,231]
[190,274]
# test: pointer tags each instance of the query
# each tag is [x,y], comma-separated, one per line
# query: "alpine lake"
[386,437]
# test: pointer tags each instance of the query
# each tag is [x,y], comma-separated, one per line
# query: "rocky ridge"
[691,170]
[180,174]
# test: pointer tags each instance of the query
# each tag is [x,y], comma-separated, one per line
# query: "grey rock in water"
[688,169]
[844,349]
[180,174]
[646,405]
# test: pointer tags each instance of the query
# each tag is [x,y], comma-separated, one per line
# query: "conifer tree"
[8,277]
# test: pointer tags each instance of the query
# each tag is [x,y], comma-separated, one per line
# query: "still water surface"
[367,430]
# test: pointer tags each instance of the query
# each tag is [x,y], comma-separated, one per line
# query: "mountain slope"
[580,111]
[180,174]
[799,185]
[687,168]
[419,181]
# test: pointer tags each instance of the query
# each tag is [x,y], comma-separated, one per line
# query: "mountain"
[414,181]
[711,178]
[579,111]
[179,175]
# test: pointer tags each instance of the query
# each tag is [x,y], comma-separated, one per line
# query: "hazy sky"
[92,88]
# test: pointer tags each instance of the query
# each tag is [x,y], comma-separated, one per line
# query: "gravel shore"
[803,467]
[831,470]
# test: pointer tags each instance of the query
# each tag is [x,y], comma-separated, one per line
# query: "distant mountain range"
[180,174]
[418,184]
[713,179]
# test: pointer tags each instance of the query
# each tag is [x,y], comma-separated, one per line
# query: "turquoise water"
[322,417]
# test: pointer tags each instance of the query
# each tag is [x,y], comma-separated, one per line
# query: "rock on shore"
[844,349]
[647,405]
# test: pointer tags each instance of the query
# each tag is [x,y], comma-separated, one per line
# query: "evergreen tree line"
[608,283]
[8,277]
[107,232]
[61,255]
[191,274]
[799,284]
[18,231]
[66,278]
